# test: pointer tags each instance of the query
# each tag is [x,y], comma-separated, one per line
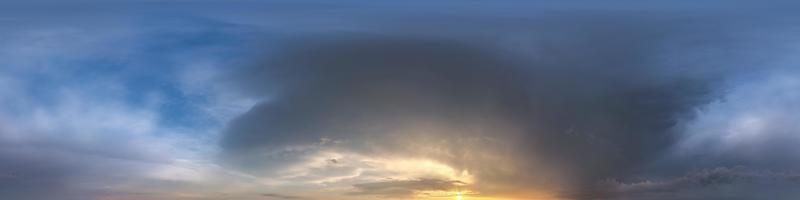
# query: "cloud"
[556,101]
[753,124]
[280,196]
[579,102]
[87,114]
[405,188]
[516,100]
[716,183]
[54,150]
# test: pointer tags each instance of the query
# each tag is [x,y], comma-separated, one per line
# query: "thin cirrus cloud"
[431,101]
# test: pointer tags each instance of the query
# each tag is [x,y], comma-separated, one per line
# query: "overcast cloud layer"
[368,100]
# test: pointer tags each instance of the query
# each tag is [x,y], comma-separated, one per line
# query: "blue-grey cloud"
[715,183]
[90,108]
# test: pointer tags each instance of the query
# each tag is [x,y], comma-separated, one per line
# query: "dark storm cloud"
[379,77]
[566,99]
[585,99]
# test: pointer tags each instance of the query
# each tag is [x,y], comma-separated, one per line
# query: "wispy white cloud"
[68,102]
[754,122]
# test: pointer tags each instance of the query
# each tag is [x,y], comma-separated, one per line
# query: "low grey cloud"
[404,188]
[716,183]
[281,196]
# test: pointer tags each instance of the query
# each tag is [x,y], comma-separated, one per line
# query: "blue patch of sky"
[145,65]
[191,38]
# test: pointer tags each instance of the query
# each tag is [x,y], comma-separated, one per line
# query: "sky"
[410,100]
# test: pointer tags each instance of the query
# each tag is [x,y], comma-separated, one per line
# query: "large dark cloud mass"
[575,100]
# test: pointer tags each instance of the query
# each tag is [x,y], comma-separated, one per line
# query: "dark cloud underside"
[590,99]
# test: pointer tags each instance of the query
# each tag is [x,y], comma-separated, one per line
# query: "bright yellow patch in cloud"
[422,168]
[378,169]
